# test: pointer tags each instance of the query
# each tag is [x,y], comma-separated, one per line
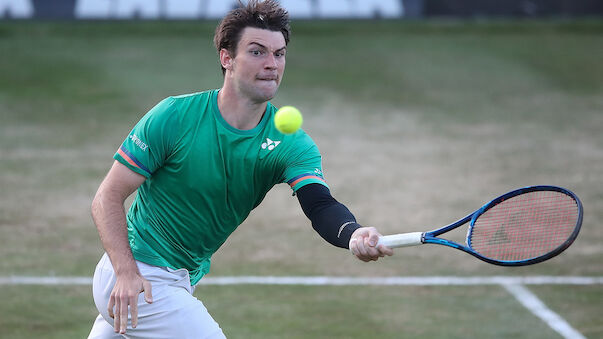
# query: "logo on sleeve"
[138,142]
[270,144]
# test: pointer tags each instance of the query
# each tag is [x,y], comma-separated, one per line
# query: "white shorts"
[174,313]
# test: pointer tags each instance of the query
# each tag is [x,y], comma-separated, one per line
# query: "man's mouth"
[269,78]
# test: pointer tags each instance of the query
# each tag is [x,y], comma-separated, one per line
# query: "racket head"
[525,226]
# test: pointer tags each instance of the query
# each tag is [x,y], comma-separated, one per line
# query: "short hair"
[266,14]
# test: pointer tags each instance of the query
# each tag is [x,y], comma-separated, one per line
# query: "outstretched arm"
[337,225]
[110,219]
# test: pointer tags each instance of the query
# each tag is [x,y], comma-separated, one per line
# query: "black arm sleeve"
[331,219]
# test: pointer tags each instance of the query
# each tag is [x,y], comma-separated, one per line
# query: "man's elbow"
[95,207]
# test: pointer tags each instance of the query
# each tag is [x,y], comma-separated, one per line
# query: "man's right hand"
[125,293]
[363,245]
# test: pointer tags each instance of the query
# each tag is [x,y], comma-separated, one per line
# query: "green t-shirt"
[204,177]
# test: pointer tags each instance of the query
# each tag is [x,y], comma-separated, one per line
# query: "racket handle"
[401,240]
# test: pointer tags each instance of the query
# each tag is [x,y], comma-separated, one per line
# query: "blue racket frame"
[431,236]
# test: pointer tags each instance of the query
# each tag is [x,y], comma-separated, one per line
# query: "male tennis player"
[201,162]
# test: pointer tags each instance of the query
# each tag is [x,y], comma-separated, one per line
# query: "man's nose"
[270,62]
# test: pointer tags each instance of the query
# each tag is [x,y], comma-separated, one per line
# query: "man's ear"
[226,59]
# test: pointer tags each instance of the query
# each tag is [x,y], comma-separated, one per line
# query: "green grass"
[419,123]
[299,312]
[368,312]
[46,312]
[577,304]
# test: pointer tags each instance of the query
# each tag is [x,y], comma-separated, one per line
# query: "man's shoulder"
[197,97]
[302,139]
[190,105]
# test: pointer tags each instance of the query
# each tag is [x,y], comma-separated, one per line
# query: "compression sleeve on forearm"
[331,219]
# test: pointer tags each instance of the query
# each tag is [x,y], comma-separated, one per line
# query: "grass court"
[419,123]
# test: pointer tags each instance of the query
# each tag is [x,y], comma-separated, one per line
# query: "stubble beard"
[258,94]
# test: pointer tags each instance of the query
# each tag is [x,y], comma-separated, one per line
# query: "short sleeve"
[151,141]
[304,165]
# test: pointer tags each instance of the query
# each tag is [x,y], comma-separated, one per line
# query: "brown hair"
[267,14]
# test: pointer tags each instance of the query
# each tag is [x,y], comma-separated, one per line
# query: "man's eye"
[256,52]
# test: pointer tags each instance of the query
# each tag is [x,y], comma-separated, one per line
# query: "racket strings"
[525,226]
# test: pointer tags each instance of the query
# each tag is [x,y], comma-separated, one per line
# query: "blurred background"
[299,9]
[423,110]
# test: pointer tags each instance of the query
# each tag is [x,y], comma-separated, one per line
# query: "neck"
[238,111]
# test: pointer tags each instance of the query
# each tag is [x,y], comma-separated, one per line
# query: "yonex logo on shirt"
[270,144]
[138,142]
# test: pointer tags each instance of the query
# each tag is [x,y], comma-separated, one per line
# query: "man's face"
[257,68]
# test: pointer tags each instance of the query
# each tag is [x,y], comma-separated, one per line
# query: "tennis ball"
[288,119]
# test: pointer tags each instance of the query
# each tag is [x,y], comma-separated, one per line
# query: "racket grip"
[401,240]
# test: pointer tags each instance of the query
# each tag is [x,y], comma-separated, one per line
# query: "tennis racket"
[523,227]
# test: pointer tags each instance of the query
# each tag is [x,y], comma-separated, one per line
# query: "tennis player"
[201,162]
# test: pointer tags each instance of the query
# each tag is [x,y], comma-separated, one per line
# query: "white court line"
[338,281]
[46,281]
[513,284]
[402,281]
[530,301]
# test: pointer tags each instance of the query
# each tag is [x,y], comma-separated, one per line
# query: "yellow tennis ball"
[288,119]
